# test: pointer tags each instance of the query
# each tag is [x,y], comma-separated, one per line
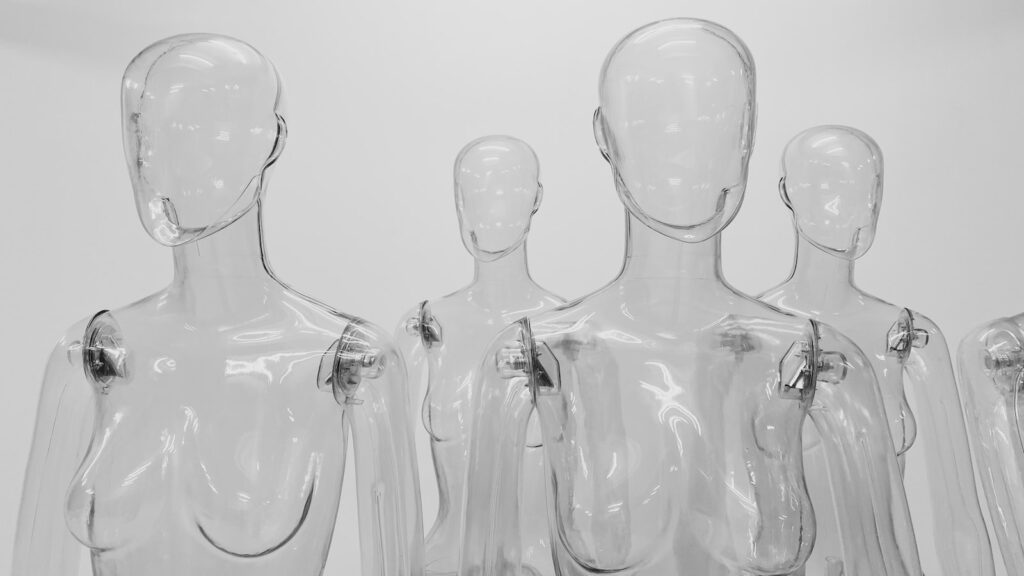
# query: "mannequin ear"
[784,194]
[282,137]
[599,137]
[750,130]
[540,196]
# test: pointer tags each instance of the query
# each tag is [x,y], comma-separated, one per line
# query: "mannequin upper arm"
[61,437]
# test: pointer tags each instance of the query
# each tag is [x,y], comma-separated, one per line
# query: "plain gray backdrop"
[383,93]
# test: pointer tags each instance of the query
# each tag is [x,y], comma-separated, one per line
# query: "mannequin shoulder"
[762,312]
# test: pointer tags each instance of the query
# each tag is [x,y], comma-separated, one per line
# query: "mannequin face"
[676,123]
[832,182]
[201,125]
[497,192]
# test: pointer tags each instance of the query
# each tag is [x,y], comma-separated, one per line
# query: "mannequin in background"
[671,405]
[832,183]
[497,192]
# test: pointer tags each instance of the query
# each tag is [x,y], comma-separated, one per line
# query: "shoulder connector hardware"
[425,325]
[346,363]
[903,336]
[104,358]
[805,364]
[1004,360]
[519,359]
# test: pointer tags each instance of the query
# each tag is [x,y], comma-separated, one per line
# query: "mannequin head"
[497,192]
[676,123]
[832,182]
[202,122]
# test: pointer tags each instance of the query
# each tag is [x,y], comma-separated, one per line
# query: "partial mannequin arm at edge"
[410,346]
[871,505]
[961,537]
[390,522]
[501,411]
[43,544]
[990,414]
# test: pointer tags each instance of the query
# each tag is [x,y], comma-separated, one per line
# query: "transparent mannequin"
[202,430]
[671,406]
[832,183]
[991,360]
[497,192]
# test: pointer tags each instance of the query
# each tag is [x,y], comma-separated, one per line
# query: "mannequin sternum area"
[226,273]
[668,278]
[820,281]
[499,281]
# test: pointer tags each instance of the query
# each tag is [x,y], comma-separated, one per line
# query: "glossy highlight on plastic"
[832,179]
[991,363]
[671,406]
[204,428]
[497,193]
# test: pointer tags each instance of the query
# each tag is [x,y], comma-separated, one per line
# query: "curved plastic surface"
[203,429]
[497,192]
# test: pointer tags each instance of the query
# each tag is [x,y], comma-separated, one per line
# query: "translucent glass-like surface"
[671,406]
[497,192]
[202,430]
[991,360]
[832,183]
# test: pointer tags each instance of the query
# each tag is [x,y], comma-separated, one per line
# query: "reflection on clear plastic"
[832,183]
[203,429]
[991,360]
[671,406]
[497,192]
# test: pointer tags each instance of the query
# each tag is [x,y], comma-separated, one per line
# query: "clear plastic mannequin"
[991,360]
[832,183]
[497,192]
[202,430]
[672,406]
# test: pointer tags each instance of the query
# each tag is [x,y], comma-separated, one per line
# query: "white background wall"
[383,93]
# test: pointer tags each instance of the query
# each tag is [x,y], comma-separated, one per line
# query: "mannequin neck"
[668,282]
[510,273]
[821,277]
[651,255]
[225,272]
